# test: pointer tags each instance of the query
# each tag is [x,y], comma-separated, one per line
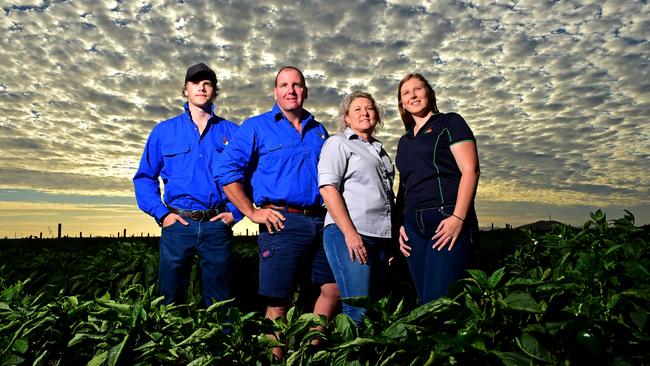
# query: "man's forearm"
[236,195]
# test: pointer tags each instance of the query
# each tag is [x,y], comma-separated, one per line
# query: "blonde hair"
[344,108]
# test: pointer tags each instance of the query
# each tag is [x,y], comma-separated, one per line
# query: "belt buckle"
[196,215]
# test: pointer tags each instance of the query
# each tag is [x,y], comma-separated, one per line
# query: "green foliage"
[570,296]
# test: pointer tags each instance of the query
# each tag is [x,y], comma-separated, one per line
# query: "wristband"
[458,217]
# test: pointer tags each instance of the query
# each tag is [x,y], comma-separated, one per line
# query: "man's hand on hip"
[269,217]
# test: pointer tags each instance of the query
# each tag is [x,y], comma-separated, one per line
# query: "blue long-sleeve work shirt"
[185,160]
[281,163]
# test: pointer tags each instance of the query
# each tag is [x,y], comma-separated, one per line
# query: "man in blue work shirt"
[195,215]
[274,158]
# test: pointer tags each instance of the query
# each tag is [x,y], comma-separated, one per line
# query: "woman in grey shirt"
[355,176]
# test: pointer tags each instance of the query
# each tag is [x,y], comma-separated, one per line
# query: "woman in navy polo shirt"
[355,176]
[438,164]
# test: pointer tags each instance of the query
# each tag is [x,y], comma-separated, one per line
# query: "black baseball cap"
[200,71]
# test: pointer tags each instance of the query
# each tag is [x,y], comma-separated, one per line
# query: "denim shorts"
[292,253]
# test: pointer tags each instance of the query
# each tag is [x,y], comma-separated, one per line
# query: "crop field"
[570,296]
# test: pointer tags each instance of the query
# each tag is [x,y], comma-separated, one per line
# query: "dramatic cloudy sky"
[556,92]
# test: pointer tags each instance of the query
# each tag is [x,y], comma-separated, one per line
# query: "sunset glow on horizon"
[556,93]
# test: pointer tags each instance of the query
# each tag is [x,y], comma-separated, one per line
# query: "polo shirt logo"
[225,140]
[428,130]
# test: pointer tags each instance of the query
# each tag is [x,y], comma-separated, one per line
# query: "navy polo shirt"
[429,175]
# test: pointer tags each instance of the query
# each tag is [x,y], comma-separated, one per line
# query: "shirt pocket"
[176,158]
[277,152]
[271,148]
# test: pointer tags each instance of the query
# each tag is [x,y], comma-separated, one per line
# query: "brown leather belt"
[196,215]
[316,211]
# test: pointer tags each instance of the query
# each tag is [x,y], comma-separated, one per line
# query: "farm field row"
[568,296]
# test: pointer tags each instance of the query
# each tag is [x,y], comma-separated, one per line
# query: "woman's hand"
[356,248]
[403,238]
[337,209]
[466,158]
[447,232]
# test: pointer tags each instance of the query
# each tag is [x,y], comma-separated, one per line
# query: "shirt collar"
[279,116]
[409,132]
[186,106]
[435,116]
[350,134]
[213,117]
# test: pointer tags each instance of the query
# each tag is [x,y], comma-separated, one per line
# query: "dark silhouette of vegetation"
[565,296]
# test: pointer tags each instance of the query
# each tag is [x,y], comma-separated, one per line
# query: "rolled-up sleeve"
[235,158]
[236,214]
[332,163]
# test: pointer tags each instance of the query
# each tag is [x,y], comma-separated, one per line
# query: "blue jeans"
[433,271]
[291,253]
[353,278]
[212,241]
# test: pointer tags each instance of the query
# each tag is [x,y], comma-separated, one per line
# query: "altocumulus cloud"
[557,93]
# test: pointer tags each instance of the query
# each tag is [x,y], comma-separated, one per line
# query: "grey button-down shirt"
[363,173]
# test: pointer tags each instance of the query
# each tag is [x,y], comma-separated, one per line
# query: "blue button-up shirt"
[185,160]
[280,163]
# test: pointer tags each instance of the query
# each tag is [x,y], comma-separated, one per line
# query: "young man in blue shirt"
[194,214]
[272,162]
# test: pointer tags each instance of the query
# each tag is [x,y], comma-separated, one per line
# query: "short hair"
[289,67]
[407,118]
[344,108]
